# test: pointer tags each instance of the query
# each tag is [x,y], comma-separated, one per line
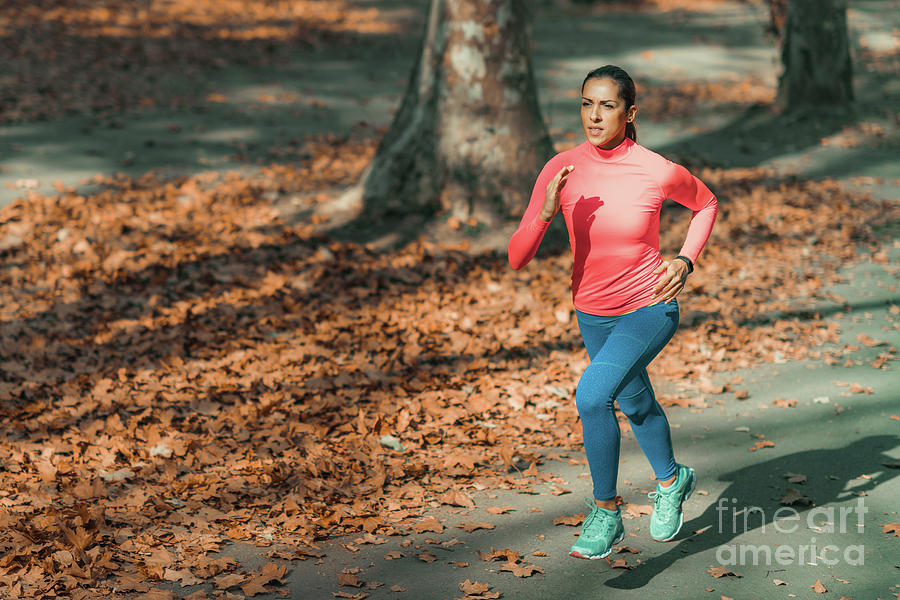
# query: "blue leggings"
[620,348]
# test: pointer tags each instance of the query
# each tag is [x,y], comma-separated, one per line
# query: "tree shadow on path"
[761,485]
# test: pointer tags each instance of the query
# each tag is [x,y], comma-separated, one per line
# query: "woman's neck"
[613,143]
[615,153]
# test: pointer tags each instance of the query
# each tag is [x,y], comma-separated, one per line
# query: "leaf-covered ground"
[64,57]
[181,365]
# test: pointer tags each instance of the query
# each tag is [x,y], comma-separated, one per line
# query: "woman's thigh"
[633,341]
[594,331]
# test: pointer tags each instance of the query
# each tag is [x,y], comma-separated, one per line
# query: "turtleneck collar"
[615,155]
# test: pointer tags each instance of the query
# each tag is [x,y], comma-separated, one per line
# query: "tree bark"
[468,137]
[815,52]
[777,15]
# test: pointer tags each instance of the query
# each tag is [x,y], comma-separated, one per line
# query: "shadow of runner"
[828,472]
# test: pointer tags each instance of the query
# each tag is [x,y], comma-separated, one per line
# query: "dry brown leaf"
[795,477]
[157,595]
[471,526]
[619,563]
[349,579]
[267,574]
[506,554]
[867,340]
[792,496]
[570,520]
[722,571]
[350,596]
[429,524]
[761,444]
[471,588]
[226,581]
[521,570]
[708,387]
[457,498]
[636,510]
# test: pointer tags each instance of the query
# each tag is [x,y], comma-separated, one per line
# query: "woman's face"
[603,113]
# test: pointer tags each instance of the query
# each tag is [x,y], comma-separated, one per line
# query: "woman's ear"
[632,111]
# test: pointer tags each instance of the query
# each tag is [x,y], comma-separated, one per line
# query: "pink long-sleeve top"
[611,203]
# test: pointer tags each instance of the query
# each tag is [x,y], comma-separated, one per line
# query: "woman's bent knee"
[592,399]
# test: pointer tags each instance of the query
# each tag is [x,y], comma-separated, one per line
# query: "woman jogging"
[610,190]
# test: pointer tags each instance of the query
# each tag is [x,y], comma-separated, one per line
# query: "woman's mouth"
[595,130]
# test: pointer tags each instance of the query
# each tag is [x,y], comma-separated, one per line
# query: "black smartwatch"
[687,262]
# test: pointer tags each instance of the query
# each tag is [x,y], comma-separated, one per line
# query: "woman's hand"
[551,200]
[672,282]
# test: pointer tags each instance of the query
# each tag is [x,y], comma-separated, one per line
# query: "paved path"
[838,440]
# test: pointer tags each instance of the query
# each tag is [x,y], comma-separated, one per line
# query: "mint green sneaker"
[601,530]
[666,519]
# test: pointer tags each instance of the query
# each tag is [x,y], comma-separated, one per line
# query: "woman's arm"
[687,190]
[542,206]
[682,187]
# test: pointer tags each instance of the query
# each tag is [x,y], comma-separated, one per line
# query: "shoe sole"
[599,556]
[681,514]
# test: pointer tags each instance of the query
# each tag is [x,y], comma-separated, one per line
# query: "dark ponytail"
[627,91]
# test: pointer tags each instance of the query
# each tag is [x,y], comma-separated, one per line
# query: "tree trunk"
[815,52]
[777,15]
[468,137]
